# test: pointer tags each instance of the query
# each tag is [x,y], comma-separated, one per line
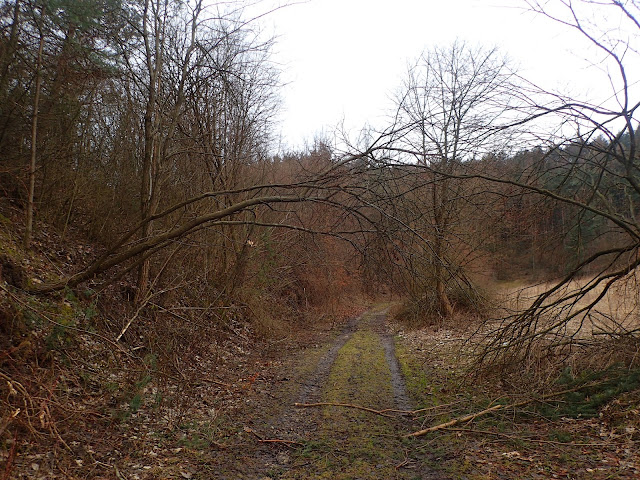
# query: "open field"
[615,313]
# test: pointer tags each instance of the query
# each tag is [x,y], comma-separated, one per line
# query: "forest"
[169,277]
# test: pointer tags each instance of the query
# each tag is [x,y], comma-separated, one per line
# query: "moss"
[353,443]
[361,373]
[418,384]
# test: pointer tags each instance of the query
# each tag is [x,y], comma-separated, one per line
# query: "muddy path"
[357,366]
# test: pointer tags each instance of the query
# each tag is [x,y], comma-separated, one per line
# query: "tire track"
[311,390]
[400,396]
[299,424]
[340,437]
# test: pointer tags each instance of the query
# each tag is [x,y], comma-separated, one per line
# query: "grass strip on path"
[353,443]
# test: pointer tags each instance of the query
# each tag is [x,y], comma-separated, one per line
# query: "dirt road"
[358,367]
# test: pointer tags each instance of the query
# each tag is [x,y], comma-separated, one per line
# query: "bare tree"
[452,109]
[590,167]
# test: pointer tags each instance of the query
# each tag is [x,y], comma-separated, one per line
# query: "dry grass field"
[615,313]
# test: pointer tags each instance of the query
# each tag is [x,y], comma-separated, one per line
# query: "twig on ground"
[279,440]
[345,405]
[119,476]
[10,458]
[473,416]
[405,463]
[382,412]
[456,421]
[215,382]
[271,440]
[435,407]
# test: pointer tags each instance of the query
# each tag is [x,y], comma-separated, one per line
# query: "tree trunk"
[439,204]
[34,137]
[444,304]
[148,194]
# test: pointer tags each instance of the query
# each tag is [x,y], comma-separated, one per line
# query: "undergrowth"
[590,431]
[594,390]
[470,303]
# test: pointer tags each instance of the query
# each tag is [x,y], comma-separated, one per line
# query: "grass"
[350,443]
[418,384]
[617,310]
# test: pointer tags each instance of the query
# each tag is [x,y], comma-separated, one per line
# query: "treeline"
[130,108]
[148,125]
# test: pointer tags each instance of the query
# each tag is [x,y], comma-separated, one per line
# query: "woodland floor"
[246,425]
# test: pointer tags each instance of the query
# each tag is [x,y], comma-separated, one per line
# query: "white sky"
[343,59]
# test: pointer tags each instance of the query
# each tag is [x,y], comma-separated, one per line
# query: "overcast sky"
[342,59]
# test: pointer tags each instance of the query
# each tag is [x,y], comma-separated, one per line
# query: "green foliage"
[67,314]
[561,436]
[60,337]
[143,382]
[139,388]
[135,397]
[32,319]
[75,307]
[70,296]
[91,311]
[601,388]
[151,361]
[199,436]
[135,403]
[111,387]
